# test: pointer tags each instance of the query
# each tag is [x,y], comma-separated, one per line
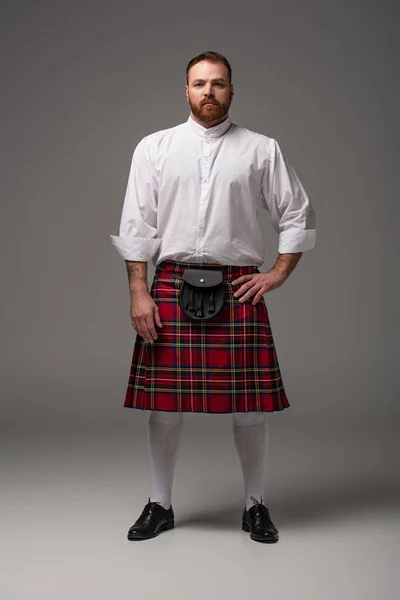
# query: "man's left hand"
[258,284]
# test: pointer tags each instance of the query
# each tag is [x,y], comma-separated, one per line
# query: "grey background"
[82,83]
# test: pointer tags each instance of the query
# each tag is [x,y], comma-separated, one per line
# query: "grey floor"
[70,490]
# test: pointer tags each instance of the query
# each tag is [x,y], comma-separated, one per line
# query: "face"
[209,82]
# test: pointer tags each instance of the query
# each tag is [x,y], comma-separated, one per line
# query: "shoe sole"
[165,527]
[258,538]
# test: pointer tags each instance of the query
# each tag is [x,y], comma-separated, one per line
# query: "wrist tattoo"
[134,272]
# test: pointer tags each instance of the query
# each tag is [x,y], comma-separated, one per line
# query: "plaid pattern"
[224,365]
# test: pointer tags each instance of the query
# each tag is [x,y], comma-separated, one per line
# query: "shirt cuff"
[296,240]
[140,249]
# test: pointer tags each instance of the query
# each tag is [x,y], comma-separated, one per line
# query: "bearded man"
[204,342]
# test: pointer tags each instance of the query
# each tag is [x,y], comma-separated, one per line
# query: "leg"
[164,434]
[251,437]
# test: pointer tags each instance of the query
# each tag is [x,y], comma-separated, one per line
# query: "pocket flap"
[203,277]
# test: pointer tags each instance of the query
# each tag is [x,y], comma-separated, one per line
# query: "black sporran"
[202,295]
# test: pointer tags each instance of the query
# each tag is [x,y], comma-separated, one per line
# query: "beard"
[209,114]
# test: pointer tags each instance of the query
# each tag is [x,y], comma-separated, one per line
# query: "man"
[192,199]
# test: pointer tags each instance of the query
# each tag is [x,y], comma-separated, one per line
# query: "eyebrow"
[217,79]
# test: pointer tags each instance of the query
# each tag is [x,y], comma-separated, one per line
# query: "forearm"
[137,274]
[285,263]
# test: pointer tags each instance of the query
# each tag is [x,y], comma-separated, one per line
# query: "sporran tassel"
[199,311]
[190,304]
[211,305]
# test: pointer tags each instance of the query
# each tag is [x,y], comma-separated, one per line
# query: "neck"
[208,124]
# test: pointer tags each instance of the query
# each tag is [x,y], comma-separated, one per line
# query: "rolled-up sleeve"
[137,239]
[291,213]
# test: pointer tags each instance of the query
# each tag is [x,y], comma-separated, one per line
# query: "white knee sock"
[251,438]
[164,434]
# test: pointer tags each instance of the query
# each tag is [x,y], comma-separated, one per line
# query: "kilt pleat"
[224,365]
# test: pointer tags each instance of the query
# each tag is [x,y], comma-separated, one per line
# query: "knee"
[249,418]
[167,417]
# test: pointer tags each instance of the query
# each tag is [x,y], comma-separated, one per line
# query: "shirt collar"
[213,132]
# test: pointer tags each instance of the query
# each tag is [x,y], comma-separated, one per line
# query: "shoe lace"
[262,509]
[150,506]
[257,502]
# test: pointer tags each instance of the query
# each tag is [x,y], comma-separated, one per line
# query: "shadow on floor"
[307,506]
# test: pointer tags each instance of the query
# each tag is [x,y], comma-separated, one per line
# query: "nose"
[207,89]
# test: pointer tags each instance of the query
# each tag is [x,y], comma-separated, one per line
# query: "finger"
[149,336]
[144,330]
[252,280]
[157,316]
[261,293]
[151,329]
[249,294]
[137,326]
[240,293]
[257,298]
[243,288]
[241,278]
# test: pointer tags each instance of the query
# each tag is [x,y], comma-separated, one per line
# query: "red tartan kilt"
[224,365]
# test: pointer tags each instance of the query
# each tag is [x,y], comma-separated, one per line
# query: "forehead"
[208,70]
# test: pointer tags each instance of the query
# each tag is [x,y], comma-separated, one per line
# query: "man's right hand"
[144,313]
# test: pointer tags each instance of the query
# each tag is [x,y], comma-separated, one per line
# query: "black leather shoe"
[154,519]
[257,521]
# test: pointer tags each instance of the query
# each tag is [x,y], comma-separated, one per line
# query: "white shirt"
[193,195]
